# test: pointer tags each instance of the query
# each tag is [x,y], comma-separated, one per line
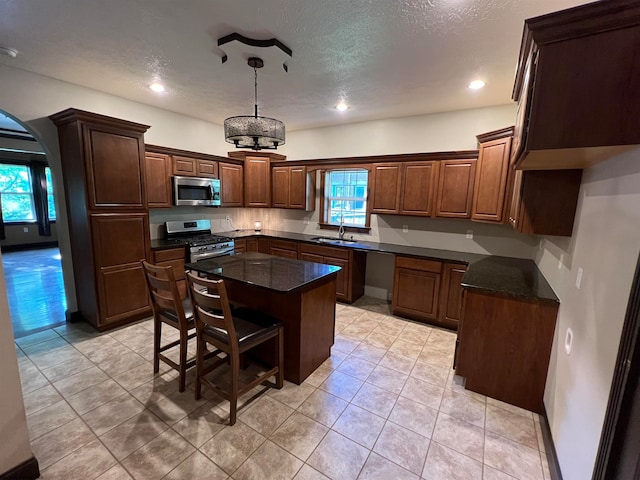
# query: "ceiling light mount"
[255,132]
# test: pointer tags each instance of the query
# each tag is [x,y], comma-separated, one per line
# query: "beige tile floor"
[386,405]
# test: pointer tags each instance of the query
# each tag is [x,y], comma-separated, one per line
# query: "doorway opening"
[28,239]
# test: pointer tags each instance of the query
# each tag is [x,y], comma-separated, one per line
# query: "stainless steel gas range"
[197,235]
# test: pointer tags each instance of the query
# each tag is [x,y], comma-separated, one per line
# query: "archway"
[31,256]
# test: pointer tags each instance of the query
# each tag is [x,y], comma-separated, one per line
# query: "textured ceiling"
[386,58]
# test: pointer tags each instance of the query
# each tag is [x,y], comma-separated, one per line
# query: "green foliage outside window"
[17,196]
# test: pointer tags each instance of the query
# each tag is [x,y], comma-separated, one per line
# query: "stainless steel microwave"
[196,191]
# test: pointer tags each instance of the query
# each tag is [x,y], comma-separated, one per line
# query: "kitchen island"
[300,294]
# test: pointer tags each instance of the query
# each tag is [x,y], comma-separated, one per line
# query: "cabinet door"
[231,191]
[342,280]
[386,187]
[158,180]
[175,258]
[455,188]
[115,160]
[450,308]
[264,245]
[516,198]
[184,166]
[206,168]
[418,188]
[119,243]
[415,293]
[240,245]
[298,187]
[490,183]
[280,186]
[252,244]
[257,182]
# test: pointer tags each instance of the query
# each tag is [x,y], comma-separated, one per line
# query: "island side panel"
[317,329]
[505,346]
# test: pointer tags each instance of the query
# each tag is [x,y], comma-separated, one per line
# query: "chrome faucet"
[341,229]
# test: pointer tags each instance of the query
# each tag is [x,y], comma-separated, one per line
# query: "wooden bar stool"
[232,334]
[169,308]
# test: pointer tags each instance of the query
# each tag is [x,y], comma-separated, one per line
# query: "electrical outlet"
[228,218]
[306,221]
[25,229]
[469,233]
[579,278]
[405,228]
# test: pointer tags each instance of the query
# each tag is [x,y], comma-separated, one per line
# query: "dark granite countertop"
[516,277]
[267,271]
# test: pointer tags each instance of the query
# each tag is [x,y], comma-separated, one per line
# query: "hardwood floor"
[35,290]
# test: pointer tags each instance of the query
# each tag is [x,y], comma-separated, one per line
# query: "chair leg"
[183,361]
[157,330]
[200,349]
[233,401]
[280,374]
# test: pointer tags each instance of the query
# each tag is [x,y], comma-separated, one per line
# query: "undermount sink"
[333,241]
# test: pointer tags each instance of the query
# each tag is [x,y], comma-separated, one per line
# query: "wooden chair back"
[164,293]
[211,306]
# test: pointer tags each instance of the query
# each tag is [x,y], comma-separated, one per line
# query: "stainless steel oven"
[196,234]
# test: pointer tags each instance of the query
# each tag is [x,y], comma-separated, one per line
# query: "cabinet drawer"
[169,254]
[324,251]
[419,264]
[284,244]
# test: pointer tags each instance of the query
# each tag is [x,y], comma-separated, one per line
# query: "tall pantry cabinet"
[103,169]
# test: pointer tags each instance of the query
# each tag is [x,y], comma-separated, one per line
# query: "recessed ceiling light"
[8,52]
[476,84]
[341,107]
[157,87]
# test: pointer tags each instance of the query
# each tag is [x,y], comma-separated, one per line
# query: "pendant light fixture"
[254,132]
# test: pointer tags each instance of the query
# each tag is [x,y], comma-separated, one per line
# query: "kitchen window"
[345,198]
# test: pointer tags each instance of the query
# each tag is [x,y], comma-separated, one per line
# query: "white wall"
[13,422]
[437,132]
[605,244]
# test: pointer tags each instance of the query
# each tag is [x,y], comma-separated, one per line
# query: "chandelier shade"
[255,132]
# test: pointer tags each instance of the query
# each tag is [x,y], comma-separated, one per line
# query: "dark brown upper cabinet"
[257,176]
[231,185]
[576,86]
[158,169]
[417,194]
[492,177]
[292,187]
[455,188]
[386,179]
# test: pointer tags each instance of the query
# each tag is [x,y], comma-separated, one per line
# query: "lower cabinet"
[284,248]
[176,258]
[252,244]
[119,243]
[450,305]
[239,245]
[504,347]
[353,264]
[428,291]
[416,288]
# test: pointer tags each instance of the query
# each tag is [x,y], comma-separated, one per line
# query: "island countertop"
[266,271]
